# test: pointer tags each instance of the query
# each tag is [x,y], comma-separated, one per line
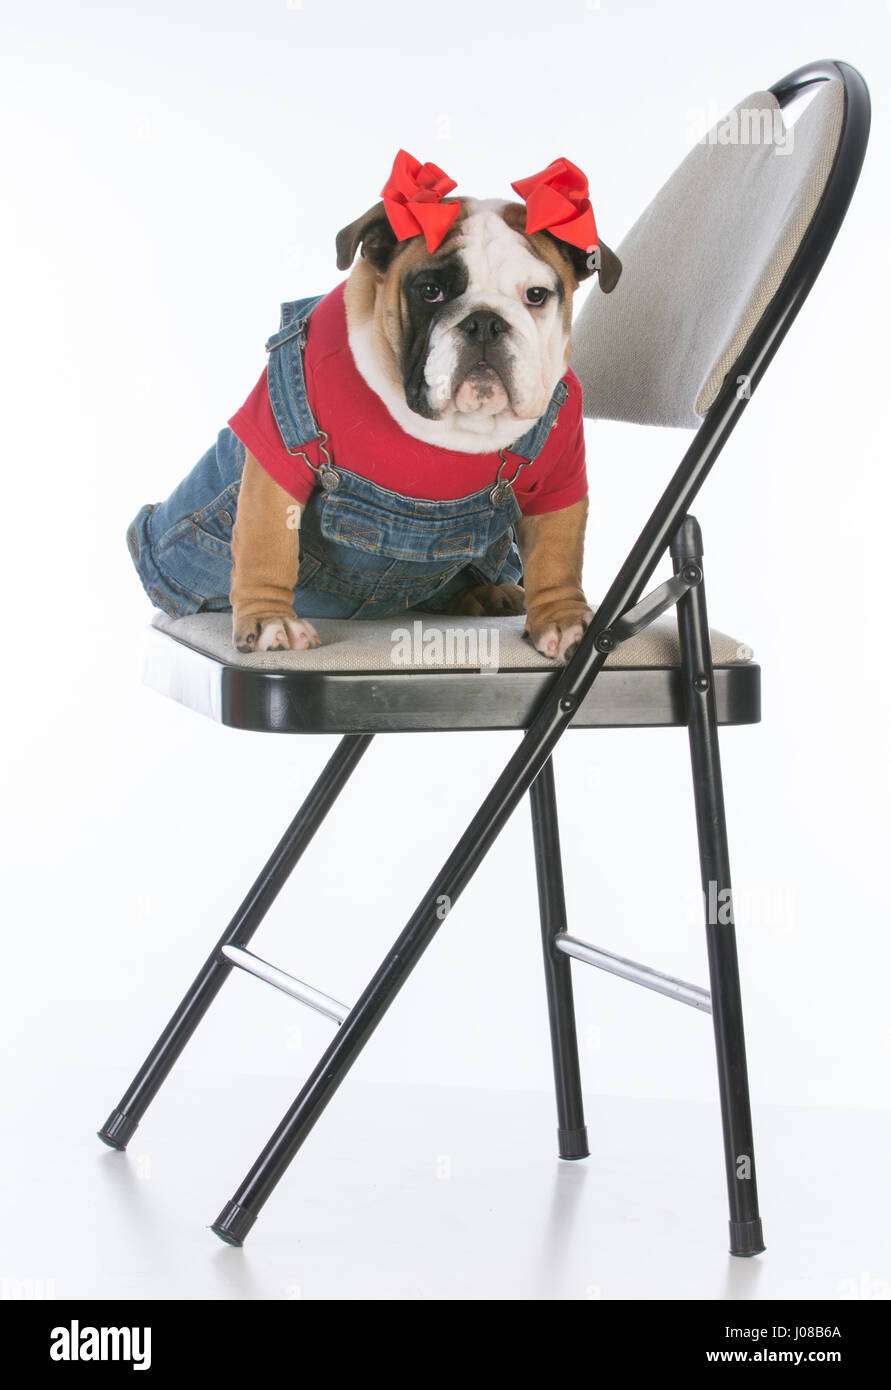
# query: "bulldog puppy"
[465,346]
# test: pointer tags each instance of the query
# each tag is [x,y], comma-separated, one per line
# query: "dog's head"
[465,343]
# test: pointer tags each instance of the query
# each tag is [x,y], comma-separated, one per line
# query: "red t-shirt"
[364,438]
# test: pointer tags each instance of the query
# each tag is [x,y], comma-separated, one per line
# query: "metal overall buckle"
[326,473]
[504,487]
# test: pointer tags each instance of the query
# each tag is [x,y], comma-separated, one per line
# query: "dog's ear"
[377,238]
[584,263]
[609,268]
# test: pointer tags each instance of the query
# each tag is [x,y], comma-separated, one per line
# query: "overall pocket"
[195,554]
[181,547]
[368,527]
[337,581]
[376,553]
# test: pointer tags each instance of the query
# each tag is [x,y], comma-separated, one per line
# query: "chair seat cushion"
[430,642]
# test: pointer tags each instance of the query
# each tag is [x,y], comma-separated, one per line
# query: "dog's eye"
[431,294]
[536,295]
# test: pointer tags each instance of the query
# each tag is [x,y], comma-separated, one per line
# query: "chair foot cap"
[746,1238]
[233,1224]
[118,1130]
[573,1143]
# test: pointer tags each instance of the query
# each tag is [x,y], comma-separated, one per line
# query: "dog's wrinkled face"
[465,345]
[485,329]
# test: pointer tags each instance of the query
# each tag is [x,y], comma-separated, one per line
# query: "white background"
[171,173]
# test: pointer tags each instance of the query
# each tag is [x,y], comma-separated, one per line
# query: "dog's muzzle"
[481,368]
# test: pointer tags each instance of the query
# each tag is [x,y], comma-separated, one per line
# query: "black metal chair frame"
[260,700]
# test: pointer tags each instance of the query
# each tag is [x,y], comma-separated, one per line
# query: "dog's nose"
[483,326]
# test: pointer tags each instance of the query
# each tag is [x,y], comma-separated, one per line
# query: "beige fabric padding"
[351,645]
[703,262]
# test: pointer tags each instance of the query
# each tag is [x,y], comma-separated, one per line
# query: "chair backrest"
[745,334]
[704,260]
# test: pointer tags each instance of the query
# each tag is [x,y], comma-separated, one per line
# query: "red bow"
[557,202]
[413,200]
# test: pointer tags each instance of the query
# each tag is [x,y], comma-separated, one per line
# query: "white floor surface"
[429,1193]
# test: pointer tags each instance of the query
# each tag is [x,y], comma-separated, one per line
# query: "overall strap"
[530,445]
[285,376]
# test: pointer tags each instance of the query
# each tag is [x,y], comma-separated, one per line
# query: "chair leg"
[123,1120]
[745,1223]
[238,1216]
[572,1135]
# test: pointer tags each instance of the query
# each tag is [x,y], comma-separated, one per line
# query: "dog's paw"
[273,632]
[558,636]
[489,601]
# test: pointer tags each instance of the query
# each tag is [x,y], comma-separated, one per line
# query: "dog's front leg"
[552,550]
[265,564]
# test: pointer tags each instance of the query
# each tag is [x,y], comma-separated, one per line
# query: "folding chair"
[715,270]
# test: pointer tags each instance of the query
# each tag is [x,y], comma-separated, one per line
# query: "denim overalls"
[365,552]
